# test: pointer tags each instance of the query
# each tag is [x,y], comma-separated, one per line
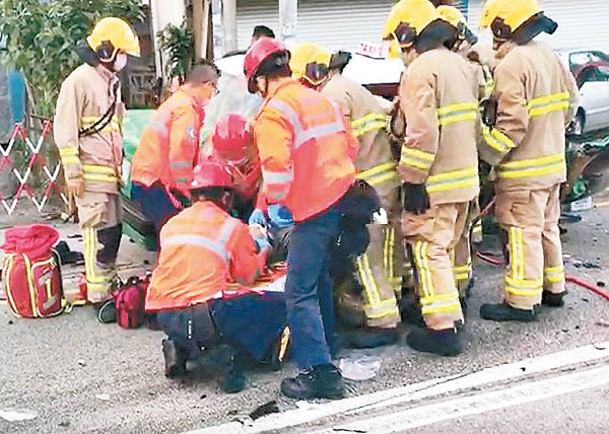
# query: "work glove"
[262,243]
[489,112]
[260,236]
[257,218]
[279,216]
[416,199]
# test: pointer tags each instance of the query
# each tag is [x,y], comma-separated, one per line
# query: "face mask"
[120,62]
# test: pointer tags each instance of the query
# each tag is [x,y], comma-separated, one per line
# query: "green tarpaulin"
[133,125]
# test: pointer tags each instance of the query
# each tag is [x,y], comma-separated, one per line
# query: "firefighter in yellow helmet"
[535,97]
[438,165]
[378,269]
[462,44]
[309,64]
[87,132]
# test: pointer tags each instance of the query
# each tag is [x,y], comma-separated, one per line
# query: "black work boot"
[553,300]
[505,312]
[470,286]
[463,303]
[440,342]
[410,311]
[374,337]
[175,359]
[321,381]
[234,382]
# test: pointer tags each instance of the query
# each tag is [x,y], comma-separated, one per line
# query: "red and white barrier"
[19,136]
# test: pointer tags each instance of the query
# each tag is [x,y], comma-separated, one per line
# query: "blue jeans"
[309,289]
[155,203]
[249,322]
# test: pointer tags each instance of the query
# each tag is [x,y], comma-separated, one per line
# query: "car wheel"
[578,124]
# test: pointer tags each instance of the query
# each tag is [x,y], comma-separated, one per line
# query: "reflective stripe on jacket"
[439,99]
[169,145]
[536,99]
[369,124]
[201,248]
[86,96]
[306,150]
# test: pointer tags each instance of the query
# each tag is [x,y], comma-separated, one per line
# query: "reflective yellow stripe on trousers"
[554,274]
[423,269]
[368,281]
[440,303]
[95,281]
[375,307]
[515,282]
[461,272]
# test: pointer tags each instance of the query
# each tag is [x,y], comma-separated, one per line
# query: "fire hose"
[498,262]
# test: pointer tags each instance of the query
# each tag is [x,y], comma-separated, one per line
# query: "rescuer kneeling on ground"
[201,248]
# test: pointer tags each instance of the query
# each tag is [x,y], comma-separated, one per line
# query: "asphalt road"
[73,375]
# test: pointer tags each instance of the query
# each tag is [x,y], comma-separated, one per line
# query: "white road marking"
[417,391]
[397,422]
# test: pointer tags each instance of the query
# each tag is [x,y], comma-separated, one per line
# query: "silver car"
[591,71]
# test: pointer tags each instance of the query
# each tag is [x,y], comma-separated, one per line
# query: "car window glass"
[603,73]
[597,56]
[579,59]
[593,74]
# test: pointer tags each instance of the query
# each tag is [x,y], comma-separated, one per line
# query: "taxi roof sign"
[373,50]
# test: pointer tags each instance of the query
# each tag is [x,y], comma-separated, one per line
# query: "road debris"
[360,368]
[264,410]
[17,415]
[586,264]
[103,397]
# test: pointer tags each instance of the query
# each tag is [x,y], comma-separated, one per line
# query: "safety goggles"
[466,34]
[405,35]
[316,72]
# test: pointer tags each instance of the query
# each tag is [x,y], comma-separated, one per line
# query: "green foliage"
[41,38]
[178,42]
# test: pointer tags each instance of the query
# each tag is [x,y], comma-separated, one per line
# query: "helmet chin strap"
[264,91]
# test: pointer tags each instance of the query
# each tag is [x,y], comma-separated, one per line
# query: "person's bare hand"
[76,187]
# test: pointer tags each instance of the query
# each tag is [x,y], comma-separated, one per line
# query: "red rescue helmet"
[262,50]
[231,140]
[209,173]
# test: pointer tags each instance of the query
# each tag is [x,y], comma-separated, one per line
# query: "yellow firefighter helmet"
[111,35]
[310,62]
[455,18]
[407,19]
[509,14]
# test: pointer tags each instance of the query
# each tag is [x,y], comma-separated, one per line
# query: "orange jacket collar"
[286,83]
